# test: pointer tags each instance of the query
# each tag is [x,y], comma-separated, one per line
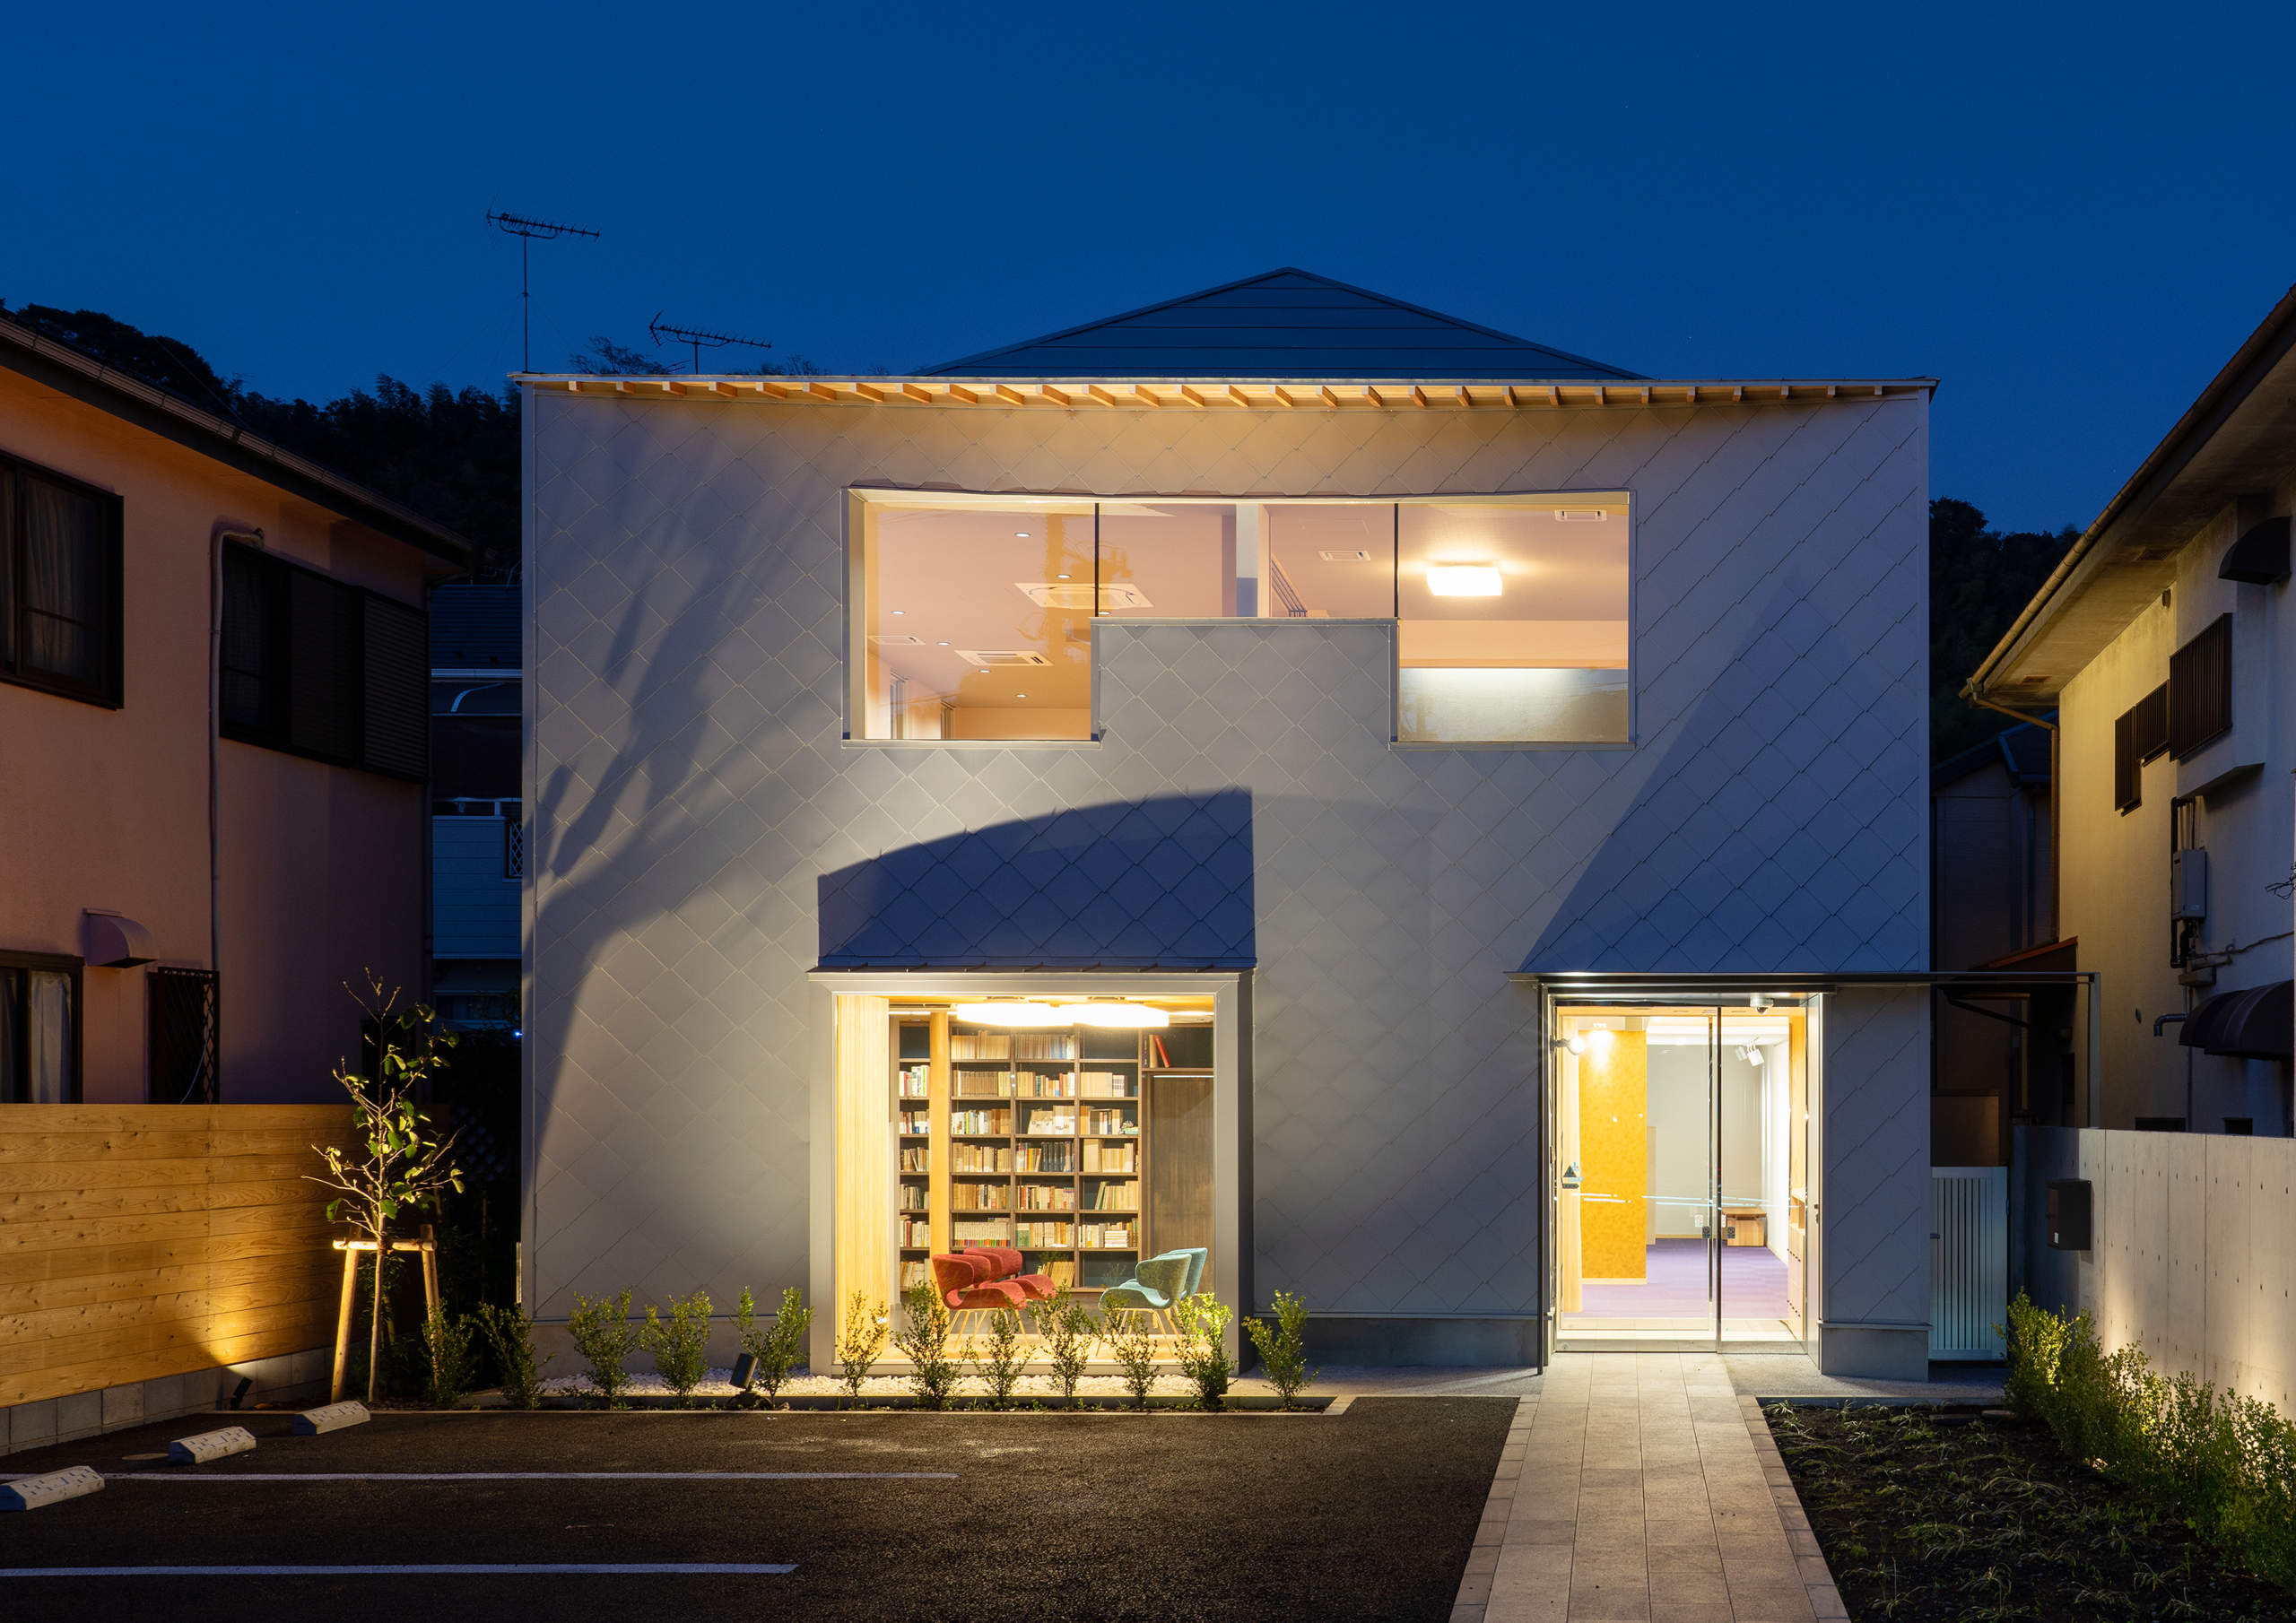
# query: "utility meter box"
[2189,883]
[2068,1214]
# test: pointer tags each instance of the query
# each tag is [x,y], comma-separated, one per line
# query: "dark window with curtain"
[317,668]
[59,585]
[2200,690]
[39,1031]
[2127,782]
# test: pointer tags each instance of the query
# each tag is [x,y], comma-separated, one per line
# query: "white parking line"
[459,1570]
[535,1476]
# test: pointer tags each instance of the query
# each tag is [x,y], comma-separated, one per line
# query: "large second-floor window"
[1511,613]
[59,585]
[315,667]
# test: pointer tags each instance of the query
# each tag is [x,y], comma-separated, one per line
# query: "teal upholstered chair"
[1158,1282]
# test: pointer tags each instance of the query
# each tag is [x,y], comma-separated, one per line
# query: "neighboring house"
[477,836]
[2163,642]
[2004,1058]
[211,745]
[1397,812]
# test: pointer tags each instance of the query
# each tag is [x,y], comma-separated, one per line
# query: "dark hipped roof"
[1289,324]
[2022,749]
[474,628]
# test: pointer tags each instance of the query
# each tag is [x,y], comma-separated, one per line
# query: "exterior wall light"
[1131,1016]
[1463,580]
[1029,1014]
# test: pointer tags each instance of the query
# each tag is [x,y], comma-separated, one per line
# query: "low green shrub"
[1129,1335]
[450,1356]
[2224,1463]
[1000,1357]
[1065,1326]
[510,1337]
[606,1338]
[680,1343]
[1282,1348]
[924,1341]
[778,1346]
[1202,1323]
[860,1343]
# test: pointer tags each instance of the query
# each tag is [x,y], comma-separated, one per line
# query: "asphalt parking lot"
[1366,1514]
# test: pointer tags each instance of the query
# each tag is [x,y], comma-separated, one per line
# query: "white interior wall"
[1678,1137]
[1778,1143]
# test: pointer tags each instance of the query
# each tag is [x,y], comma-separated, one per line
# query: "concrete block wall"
[297,1377]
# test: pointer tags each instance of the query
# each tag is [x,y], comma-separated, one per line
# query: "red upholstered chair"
[967,1283]
[1006,1264]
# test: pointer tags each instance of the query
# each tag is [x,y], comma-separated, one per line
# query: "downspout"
[1970,692]
[222,530]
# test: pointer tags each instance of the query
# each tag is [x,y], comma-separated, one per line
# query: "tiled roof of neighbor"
[2023,750]
[1286,324]
[474,628]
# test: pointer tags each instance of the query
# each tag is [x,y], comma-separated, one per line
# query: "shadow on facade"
[1162,883]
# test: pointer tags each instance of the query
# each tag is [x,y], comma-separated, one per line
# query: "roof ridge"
[956,369]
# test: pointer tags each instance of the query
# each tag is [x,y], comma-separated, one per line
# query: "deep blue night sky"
[2071,218]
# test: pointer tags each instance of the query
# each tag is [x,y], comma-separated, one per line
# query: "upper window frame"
[853,688]
[109,691]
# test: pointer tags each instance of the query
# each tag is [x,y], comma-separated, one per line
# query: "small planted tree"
[1203,1321]
[860,1343]
[1067,1327]
[396,1163]
[1129,1335]
[510,1337]
[680,1343]
[999,1357]
[779,1344]
[924,1341]
[1282,1348]
[606,1338]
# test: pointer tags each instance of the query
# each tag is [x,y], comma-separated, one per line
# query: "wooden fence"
[141,1241]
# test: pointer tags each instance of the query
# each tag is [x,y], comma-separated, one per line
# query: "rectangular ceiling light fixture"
[1463,580]
[990,659]
[1116,597]
[1580,515]
[1343,555]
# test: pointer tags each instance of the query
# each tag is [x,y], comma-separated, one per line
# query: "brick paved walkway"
[1641,1486]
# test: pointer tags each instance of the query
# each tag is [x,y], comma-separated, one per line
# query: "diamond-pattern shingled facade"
[703,836]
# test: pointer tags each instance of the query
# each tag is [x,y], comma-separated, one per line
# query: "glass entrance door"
[1681,1173]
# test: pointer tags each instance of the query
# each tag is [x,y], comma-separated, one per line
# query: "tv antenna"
[697,340]
[528,231]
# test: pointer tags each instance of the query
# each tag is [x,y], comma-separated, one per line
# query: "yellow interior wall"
[864,1183]
[1614,1147]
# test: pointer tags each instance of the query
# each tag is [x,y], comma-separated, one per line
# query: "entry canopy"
[2256,1024]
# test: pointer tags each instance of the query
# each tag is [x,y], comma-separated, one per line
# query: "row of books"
[1110,1157]
[980,1045]
[914,1272]
[916,1158]
[1114,1195]
[1105,1237]
[981,1231]
[980,1197]
[982,1158]
[1108,1123]
[997,1122]
[1044,1045]
[1012,1044]
[913,1080]
[1047,1157]
[1052,1123]
[1049,1197]
[916,1232]
[1111,1085]
[1041,1231]
[917,1122]
[912,1197]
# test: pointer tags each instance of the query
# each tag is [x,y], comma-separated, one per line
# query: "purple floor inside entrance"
[1753,1285]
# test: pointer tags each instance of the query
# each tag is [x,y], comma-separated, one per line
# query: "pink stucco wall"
[108,809]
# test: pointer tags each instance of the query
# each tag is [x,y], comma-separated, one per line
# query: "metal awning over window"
[2258,1023]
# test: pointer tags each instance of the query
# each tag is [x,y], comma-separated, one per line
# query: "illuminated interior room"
[1079,1130]
[1683,1193]
[1511,614]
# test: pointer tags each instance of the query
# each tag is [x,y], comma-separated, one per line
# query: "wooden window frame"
[109,691]
[75,1048]
[357,757]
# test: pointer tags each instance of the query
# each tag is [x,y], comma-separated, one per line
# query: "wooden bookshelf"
[1017,1152]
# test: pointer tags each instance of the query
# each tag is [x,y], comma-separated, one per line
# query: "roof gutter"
[2232,385]
[68,371]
